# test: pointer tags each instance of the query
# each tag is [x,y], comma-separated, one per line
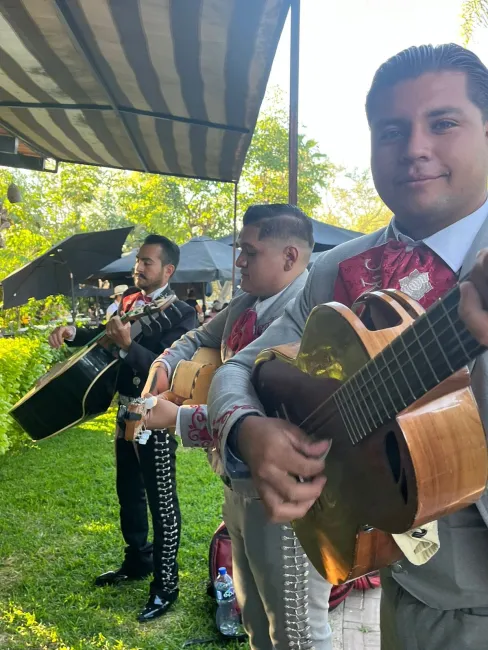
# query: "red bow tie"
[130,302]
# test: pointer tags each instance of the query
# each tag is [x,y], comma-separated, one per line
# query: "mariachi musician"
[144,468]
[428,113]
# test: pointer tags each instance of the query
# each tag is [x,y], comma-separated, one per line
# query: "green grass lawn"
[59,529]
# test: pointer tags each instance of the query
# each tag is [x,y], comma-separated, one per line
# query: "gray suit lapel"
[480,241]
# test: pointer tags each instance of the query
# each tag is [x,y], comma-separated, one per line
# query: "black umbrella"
[204,260]
[201,260]
[325,236]
[122,267]
[63,266]
[92,292]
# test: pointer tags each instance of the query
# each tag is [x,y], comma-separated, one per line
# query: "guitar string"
[320,423]
[425,362]
[377,374]
[420,350]
[342,409]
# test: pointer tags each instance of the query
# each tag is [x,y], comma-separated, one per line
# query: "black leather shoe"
[114,578]
[155,607]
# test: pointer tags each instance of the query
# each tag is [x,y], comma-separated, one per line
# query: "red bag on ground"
[220,554]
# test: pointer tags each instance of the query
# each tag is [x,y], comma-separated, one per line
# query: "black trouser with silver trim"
[147,474]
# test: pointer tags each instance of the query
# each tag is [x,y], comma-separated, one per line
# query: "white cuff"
[71,337]
[123,354]
[169,370]
[178,423]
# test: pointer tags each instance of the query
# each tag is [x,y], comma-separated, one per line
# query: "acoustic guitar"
[81,387]
[392,391]
[191,380]
[190,384]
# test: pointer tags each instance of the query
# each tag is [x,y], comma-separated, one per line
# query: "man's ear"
[170,269]
[291,257]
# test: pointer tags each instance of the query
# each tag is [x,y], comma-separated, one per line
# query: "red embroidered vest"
[417,271]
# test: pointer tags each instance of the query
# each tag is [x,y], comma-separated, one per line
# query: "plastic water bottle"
[227,617]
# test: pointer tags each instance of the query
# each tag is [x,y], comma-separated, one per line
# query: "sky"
[342,43]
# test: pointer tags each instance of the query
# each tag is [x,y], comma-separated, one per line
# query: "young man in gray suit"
[283,600]
[428,114]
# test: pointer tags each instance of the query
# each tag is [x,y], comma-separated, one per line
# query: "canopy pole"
[234,244]
[293,114]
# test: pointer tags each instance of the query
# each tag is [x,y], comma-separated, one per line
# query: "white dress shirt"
[452,244]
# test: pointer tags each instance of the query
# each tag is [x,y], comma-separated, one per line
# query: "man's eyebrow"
[143,259]
[245,245]
[445,110]
[389,121]
[398,121]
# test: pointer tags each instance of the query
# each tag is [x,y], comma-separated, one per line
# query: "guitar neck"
[433,348]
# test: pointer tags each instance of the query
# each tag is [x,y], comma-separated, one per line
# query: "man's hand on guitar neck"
[277,452]
[119,332]
[60,334]
[163,415]
[157,379]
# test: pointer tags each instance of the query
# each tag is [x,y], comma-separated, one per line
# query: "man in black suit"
[146,471]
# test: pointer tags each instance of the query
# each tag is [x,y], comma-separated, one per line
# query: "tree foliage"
[355,204]
[474,13]
[184,208]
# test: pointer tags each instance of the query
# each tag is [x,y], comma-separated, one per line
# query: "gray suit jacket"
[214,334]
[457,577]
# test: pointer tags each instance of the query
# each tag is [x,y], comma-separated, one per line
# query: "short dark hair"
[280,220]
[416,61]
[170,252]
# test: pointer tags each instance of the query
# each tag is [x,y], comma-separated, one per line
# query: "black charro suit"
[147,473]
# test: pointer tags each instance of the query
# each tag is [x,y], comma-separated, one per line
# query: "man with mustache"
[138,466]
[428,114]
[276,242]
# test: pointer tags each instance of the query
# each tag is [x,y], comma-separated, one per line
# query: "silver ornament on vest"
[416,284]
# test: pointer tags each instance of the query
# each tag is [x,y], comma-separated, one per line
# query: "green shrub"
[22,361]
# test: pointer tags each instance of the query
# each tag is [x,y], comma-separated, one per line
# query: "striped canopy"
[165,86]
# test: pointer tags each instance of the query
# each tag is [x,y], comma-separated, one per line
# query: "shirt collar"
[451,244]
[263,304]
[154,294]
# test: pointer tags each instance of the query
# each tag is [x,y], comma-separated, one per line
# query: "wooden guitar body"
[429,461]
[191,379]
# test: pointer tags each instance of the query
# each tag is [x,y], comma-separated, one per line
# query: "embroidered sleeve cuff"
[193,428]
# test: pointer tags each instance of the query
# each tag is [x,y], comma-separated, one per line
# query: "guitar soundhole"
[393,455]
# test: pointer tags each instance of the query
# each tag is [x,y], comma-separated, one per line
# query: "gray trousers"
[284,600]
[409,624]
